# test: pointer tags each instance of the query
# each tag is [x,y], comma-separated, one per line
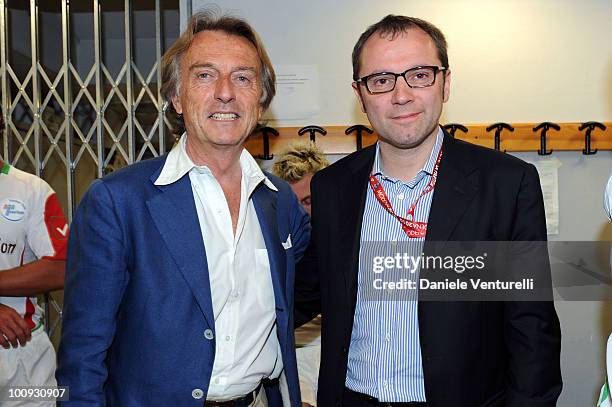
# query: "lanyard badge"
[412,228]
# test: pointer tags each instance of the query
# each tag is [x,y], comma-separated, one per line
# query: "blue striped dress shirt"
[384,359]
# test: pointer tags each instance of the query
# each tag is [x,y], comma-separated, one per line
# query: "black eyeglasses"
[417,77]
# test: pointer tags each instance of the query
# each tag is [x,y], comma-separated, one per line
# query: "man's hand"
[13,329]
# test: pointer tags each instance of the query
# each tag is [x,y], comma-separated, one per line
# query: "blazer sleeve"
[531,329]
[96,277]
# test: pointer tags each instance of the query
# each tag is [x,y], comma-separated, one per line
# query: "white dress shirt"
[246,343]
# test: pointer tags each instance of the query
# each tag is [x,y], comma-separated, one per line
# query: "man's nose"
[402,93]
[224,90]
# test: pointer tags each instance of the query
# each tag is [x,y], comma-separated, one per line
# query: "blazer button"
[197,394]
[208,334]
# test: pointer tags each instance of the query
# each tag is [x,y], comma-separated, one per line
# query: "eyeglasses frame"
[364,79]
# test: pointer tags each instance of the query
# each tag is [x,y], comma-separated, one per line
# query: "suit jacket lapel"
[354,196]
[455,188]
[174,213]
[265,202]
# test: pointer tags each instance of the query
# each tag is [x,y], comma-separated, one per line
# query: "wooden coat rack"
[524,137]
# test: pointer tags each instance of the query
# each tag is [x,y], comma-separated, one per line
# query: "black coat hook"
[312,130]
[265,133]
[590,126]
[453,127]
[499,127]
[545,126]
[359,128]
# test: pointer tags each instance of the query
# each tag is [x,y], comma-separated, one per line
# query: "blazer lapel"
[354,197]
[455,188]
[174,213]
[265,202]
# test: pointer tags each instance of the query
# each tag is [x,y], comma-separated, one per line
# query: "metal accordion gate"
[79,91]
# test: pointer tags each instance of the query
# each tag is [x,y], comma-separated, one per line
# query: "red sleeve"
[57,227]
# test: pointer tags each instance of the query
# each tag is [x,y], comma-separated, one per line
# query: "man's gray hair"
[207,20]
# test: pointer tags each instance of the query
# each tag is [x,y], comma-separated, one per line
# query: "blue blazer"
[138,313]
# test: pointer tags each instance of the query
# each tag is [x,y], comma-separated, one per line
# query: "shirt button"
[387,337]
[236,294]
[400,196]
[208,334]
[228,338]
[197,394]
[385,384]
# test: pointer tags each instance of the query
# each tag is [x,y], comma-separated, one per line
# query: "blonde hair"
[298,160]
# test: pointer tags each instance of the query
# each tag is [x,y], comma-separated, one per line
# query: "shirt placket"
[226,326]
[385,303]
[410,307]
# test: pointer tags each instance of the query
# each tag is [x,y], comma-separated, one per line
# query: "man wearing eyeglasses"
[418,184]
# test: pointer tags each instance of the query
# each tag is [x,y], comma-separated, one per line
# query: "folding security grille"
[79,88]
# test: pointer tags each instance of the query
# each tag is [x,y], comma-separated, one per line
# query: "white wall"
[511,60]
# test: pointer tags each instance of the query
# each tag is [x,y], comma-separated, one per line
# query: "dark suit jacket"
[138,313]
[474,353]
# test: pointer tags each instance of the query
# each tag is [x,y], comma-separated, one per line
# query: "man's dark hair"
[391,26]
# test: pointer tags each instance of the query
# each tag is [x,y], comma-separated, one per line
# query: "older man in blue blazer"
[179,284]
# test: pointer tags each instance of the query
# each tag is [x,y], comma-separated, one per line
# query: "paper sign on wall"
[297,93]
[549,179]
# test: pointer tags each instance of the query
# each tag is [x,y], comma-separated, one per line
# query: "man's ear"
[446,89]
[357,91]
[260,112]
[176,102]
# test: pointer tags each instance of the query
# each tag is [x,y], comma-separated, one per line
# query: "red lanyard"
[413,229]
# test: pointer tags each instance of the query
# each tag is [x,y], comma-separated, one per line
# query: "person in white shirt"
[605,398]
[33,237]
[608,198]
[296,165]
[179,287]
